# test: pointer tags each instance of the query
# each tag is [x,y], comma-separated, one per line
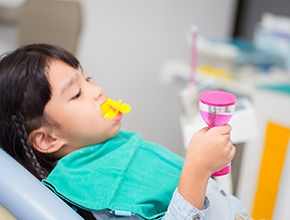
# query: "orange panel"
[276,142]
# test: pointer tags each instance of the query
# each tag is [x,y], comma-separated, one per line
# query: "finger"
[225,129]
[230,144]
[232,151]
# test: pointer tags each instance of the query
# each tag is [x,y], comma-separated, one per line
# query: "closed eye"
[77,95]
[88,79]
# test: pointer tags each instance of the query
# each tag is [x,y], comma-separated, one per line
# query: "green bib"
[125,173]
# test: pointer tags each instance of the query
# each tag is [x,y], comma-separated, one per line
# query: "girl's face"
[75,106]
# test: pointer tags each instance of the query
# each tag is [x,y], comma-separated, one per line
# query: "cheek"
[85,122]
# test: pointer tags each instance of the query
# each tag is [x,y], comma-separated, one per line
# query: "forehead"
[59,73]
[57,68]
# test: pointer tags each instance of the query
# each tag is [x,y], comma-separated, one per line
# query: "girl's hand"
[210,149]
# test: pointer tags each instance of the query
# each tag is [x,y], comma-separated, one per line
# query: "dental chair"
[25,197]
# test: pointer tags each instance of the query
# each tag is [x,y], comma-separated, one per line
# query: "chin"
[116,131]
[111,134]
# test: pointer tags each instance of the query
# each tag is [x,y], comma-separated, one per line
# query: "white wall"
[124,43]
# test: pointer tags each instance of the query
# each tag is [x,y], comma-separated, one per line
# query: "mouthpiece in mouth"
[111,108]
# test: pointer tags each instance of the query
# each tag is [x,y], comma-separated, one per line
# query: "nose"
[97,91]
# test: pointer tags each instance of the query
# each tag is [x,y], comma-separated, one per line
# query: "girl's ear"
[43,140]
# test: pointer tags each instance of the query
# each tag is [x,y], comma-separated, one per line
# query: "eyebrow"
[69,83]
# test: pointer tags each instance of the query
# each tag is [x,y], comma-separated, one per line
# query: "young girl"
[51,122]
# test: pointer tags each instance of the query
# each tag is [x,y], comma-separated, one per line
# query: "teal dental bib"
[125,173]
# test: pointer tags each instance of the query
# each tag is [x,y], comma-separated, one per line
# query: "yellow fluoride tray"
[111,108]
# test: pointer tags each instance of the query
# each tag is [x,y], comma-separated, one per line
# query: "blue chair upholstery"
[25,197]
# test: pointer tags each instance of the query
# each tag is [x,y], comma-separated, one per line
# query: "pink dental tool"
[216,108]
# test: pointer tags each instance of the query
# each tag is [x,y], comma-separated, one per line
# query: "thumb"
[203,130]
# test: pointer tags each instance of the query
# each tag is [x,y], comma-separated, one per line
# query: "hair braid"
[18,122]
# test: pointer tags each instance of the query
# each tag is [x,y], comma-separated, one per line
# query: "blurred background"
[141,51]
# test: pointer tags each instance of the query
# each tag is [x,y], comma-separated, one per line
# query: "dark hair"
[24,92]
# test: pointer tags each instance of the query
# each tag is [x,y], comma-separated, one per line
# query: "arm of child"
[208,151]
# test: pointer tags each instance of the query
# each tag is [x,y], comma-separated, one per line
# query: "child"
[51,122]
